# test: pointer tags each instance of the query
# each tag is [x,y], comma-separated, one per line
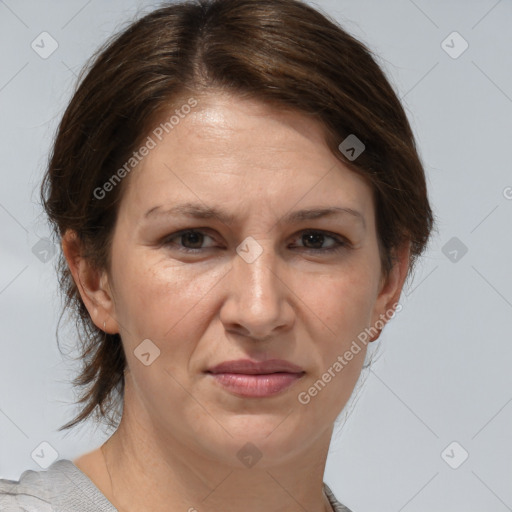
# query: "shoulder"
[61,487]
[33,491]
[336,505]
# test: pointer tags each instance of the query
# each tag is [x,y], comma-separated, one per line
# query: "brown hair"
[282,52]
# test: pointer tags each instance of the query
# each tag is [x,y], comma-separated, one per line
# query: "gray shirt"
[65,488]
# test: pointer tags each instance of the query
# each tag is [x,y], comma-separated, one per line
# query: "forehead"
[235,151]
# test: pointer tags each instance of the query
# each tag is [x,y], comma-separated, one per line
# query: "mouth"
[255,379]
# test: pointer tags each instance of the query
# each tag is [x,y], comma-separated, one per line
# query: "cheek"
[156,298]
[344,307]
[345,301]
[344,304]
[346,313]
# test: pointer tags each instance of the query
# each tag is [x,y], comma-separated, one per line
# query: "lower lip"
[257,386]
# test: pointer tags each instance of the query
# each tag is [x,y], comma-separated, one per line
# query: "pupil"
[194,238]
[315,238]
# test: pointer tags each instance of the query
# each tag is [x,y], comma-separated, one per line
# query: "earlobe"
[92,283]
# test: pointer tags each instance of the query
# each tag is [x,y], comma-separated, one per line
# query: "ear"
[390,288]
[93,284]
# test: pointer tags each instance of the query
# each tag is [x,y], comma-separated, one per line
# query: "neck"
[149,471]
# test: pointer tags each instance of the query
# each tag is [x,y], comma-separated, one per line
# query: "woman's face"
[256,280]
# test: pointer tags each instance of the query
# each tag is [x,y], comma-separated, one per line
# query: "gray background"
[443,372]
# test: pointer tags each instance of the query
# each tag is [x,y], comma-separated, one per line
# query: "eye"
[189,240]
[314,241]
[192,240]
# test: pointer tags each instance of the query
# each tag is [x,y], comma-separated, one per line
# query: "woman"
[239,200]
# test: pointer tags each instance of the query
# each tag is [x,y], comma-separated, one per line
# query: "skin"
[176,446]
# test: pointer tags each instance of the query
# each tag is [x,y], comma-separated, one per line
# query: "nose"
[259,301]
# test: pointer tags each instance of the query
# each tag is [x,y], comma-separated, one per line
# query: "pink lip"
[250,367]
[256,379]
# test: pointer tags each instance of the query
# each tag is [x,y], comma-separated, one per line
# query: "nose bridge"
[255,269]
[257,298]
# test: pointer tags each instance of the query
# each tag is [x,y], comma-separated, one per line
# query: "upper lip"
[249,367]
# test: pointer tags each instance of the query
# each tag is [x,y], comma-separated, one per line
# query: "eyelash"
[340,243]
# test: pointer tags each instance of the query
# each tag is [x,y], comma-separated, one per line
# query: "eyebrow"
[199,211]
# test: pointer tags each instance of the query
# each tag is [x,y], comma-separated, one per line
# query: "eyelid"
[167,239]
[341,242]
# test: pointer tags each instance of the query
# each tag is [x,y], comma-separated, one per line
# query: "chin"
[264,441]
